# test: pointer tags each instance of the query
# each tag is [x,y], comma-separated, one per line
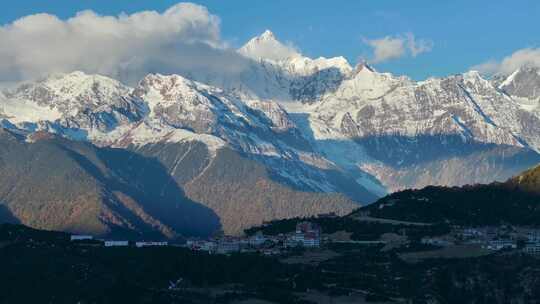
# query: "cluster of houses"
[532,246]
[492,238]
[306,234]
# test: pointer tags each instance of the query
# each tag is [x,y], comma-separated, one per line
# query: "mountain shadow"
[403,151]
[309,89]
[143,182]
[241,190]
[6,216]
[56,184]
[447,160]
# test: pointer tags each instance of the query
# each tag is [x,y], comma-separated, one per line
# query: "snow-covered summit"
[267,47]
[71,93]
[71,103]
[183,103]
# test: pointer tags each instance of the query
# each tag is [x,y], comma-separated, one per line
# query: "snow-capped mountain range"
[305,119]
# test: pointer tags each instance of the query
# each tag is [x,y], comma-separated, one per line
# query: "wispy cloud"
[520,58]
[394,47]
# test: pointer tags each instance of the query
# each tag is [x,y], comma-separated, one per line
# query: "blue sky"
[463,33]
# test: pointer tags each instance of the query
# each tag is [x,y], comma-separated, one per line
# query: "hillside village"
[491,238]
[306,235]
[368,257]
[309,236]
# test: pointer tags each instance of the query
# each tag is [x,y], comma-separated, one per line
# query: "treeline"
[478,205]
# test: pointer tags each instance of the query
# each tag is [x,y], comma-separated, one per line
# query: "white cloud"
[523,57]
[386,48]
[418,46]
[184,38]
[394,47]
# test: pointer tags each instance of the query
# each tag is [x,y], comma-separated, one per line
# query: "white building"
[436,241]
[298,237]
[76,237]
[534,236]
[116,243]
[208,246]
[201,245]
[312,241]
[228,246]
[471,233]
[257,240]
[501,244]
[307,234]
[532,248]
[151,244]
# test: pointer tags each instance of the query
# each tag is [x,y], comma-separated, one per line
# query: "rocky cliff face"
[523,83]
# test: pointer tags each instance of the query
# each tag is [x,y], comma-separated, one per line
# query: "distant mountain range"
[290,136]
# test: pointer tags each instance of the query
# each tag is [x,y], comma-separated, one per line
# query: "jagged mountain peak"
[175,89]
[523,84]
[363,65]
[365,83]
[74,99]
[172,77]
[475,81]
[267,47]
[63,91]
[77,105]
[179,102]
[166,84]
[267,35]
[363,71]
[78,82]
[472,74]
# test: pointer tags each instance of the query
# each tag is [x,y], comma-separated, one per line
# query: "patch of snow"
[20,110]
[148,133]
[509,79]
